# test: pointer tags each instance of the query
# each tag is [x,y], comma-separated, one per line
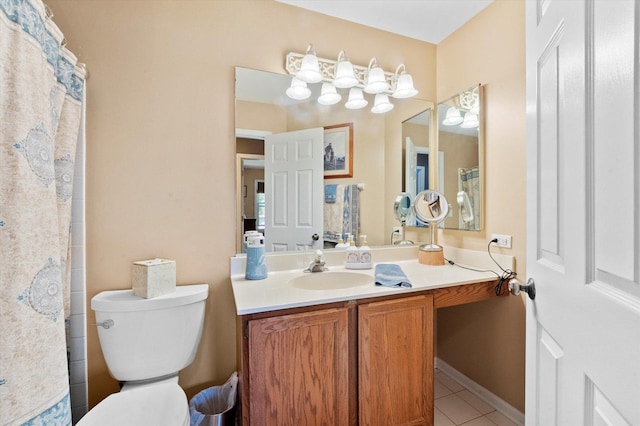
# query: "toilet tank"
[149,338]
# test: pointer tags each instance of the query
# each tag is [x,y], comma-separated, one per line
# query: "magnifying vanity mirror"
[263,109]
[402,208]
[431,207]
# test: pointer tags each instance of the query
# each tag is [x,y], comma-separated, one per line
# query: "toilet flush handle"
[106,324]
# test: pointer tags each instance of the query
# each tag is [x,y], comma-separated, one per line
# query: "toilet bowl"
[162,404]
[146,342]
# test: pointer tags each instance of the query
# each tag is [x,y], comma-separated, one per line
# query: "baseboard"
[487,396]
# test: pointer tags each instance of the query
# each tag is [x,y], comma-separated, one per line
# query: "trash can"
[215,406]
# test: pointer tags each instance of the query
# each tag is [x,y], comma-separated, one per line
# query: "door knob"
[315,237]
[515,287]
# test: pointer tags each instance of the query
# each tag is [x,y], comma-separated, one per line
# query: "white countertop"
[276,292]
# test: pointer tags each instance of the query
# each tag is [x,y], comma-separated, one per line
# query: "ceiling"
[427,20]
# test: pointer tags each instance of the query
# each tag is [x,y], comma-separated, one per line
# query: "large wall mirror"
[459,159]
[262,108]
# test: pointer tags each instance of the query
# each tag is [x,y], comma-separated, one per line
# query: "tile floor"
[455,405]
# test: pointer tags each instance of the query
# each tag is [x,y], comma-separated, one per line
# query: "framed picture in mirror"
[338,151]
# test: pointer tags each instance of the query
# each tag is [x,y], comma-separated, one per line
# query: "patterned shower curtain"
[41,92]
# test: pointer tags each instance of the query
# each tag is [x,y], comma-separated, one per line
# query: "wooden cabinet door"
[299,369]
[395,339]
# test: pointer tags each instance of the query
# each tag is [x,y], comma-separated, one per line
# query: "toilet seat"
[163,404]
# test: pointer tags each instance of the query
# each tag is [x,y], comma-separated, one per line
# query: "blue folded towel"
[391,275]
[330,193]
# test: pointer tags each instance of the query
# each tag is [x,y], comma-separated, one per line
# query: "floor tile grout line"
[456,393]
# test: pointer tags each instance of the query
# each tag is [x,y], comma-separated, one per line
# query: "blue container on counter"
[256,266]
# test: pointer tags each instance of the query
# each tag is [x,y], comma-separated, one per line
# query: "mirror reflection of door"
[294,177]
[259,204]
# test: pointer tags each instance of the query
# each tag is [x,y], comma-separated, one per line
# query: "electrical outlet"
[503,240]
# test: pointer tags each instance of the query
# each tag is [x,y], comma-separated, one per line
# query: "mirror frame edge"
[434,145]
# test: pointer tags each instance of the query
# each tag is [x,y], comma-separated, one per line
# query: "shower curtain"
[469,183]
[41,92]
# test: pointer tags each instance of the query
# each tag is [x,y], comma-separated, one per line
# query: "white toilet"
[145,343]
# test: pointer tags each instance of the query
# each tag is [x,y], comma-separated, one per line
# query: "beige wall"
[486,341]
[160,138]
[160,153]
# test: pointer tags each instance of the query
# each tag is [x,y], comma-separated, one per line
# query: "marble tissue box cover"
[153,278]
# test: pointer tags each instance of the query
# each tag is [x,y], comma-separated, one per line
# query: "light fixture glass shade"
[453,117]
[298,89]
[329,95]
[376,81]
[404,87]
[345,77]
[356,99]
[310,69]
[381,104]
[470,120]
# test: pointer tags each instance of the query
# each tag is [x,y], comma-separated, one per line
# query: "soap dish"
[351,265]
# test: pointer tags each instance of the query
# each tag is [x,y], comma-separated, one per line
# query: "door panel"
[396,362]
[294,187]
[583,212]
[299,368]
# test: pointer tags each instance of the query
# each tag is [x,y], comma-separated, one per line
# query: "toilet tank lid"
[126,301]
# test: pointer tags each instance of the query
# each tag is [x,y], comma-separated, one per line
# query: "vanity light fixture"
[309,71]
[403,84]
[375,82]
[342,74]
[345,77]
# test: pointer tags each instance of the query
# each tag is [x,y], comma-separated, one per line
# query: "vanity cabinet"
[298,369]
[357,362]
[395,361]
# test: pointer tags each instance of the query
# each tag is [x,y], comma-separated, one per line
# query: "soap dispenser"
[364,251]
[341,244]
[352,251]
[256,268]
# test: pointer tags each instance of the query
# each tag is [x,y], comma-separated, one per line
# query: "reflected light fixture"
[329,95]
[298,89]
[381,104]
[453,117]
[342,74]
[470,120]
[356,99]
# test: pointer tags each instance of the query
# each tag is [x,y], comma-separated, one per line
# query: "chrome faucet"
[317,264]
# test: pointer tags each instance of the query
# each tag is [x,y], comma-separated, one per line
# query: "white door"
[294,176]
[583,212]
[410,174]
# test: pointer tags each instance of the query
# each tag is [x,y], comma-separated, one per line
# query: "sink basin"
[331,280]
